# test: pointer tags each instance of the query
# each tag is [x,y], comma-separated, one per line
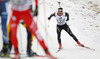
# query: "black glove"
[36,11]
[48,18]
[67,19]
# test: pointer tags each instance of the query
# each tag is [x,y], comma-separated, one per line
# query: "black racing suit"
[63,27]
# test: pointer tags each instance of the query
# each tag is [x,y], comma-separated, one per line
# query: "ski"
[41,56]
[87,47]
[23,57]
[5,57]
[36,55]
[59,50]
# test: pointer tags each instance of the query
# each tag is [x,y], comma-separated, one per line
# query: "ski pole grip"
[59,3]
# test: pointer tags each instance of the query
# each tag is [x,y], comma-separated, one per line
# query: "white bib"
[19,2]
[20,5]
[61,20]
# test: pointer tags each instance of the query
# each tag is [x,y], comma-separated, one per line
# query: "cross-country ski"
[87,47]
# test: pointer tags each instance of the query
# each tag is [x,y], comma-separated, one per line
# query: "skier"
[21,10]
[4,14]
[61,24]
[30,37]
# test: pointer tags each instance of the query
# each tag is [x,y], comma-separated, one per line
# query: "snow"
[84,23]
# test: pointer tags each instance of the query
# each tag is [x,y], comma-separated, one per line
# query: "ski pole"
[44,10]
[48,23]
[37,41]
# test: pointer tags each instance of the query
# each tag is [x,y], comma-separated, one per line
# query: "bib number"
[60,20]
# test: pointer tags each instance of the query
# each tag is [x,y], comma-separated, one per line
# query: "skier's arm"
[36,8]
[36,2]
[51,16]
[66,14]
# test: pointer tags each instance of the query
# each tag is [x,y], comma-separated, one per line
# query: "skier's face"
[59,13]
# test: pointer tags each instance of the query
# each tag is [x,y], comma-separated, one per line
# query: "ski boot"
[31,53]
[2,53]
[17,56]
[80,44]
[8,53]
[60,45]
[4,50]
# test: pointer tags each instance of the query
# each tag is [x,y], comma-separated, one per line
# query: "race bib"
[19,2]
[60,20]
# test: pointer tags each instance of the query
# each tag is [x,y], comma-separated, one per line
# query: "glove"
[36,11]
[67,19]
[48,18]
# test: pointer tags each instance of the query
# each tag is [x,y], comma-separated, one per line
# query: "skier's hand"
[48,18]
[36,11]
[67,19]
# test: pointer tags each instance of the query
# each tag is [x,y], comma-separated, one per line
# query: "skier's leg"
[4,29]
[29,35]
[68,30]
[4,20]
[13,28]
[9,38]
[29,43]
[10,44]
[59,36]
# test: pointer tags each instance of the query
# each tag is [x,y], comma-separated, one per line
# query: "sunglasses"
[59,12]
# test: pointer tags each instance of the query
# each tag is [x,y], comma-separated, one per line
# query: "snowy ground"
[84,23]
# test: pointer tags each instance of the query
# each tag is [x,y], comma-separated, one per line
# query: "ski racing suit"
[22,11]
[29,34]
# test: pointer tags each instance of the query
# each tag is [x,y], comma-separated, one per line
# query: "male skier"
[30,37]
[21,10]
[62,25]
